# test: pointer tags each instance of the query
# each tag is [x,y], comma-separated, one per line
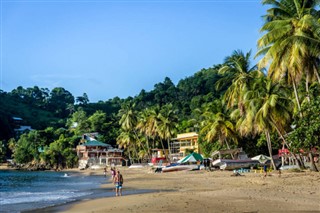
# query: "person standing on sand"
[198,164]
[118,181]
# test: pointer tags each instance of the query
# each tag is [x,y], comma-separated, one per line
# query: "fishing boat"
[229,164]
[240,160]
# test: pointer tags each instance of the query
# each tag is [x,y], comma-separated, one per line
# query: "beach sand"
[216,191]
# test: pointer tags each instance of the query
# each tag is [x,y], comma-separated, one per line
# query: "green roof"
[95,143]
[193,157]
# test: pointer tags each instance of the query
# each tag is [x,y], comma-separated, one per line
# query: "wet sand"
[202,191]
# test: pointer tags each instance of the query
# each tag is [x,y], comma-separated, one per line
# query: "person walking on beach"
[113,173]
[105,171]
[265,169]
[118,181]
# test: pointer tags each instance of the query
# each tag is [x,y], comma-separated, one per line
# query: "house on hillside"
[19,127]
[183,144]
[92,152]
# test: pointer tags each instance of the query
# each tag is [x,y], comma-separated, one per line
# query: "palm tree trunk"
[138,141]
[164,150]
[270,148]
[307,86]
[148,147]
[286,143]
[135,150]
[225,140]
[313,166]
[130,156]
[317,74]
[296,96]
[168,141]
[301,161]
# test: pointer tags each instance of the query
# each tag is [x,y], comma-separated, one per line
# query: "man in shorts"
[265,170]
[118,181]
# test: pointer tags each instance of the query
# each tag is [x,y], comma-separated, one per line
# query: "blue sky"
[117,48]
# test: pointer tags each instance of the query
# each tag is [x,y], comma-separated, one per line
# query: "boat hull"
[226,164]
[176,168]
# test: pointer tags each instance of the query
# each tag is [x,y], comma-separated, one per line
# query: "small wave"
[32,197]
[66,175]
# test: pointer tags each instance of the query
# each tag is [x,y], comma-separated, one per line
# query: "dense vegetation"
[258,107]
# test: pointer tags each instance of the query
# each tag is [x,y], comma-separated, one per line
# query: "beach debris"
[236,174]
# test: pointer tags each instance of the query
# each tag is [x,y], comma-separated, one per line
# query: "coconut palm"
[167,127]
[128,121]
[269,108]
[216,127]
[142,123]
[237,72]
[291,44]
[127,140]
[128,117]
[152,124]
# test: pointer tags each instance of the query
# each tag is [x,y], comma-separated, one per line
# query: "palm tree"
[217,127]
[237,72]
[167,127]
[269,107]
[127,140]
[291,44]
[142,126]
[128,121]
[149,124]
[128,117]
[152,125]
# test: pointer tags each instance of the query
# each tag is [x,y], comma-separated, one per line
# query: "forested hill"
[41,108]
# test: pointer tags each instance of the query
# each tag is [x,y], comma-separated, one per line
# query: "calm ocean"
[26,191]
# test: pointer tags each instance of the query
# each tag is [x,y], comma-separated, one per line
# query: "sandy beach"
[216,191]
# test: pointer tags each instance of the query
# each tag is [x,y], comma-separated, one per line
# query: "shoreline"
[105,190]
[202,191]
[199,191]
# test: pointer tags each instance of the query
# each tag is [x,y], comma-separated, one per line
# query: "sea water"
[26,191]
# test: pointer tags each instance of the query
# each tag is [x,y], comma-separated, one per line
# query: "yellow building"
[183,144]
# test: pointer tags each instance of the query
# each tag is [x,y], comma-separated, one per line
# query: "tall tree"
[167,127]
[269,106]
[216,127]
[142,126]
[59,100]
[78,123]
[127,140]
[128,116]
[84,99]
[237,73]
[152,125]
[291,44]
[128,122]
[306,134]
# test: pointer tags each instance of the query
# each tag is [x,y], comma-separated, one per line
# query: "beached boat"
[240,160]
[179,167]
[159,157]
[138,165]
[229,164]
[190,162]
